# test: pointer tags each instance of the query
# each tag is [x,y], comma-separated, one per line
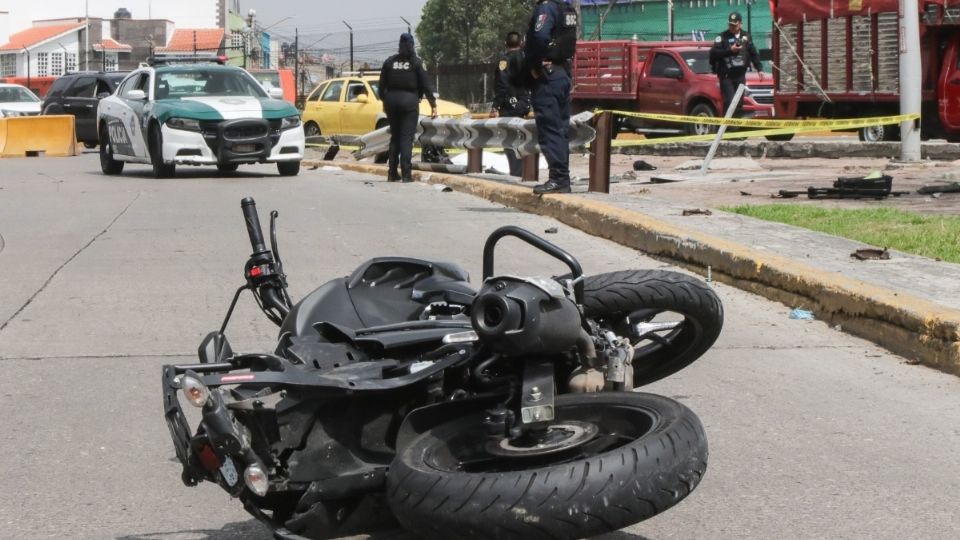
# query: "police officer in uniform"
[551,44]
[732,53]
[403,82]
[511,100]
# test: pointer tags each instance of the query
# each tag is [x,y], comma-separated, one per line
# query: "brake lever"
[273,240]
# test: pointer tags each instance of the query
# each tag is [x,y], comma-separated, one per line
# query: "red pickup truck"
[665,77]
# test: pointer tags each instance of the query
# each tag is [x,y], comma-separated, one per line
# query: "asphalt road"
[813,434]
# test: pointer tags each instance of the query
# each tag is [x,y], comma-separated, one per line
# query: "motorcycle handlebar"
[252,219]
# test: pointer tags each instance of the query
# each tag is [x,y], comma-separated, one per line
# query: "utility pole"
[296,62]
[26,50]
[351,44]
[86,35]
[670,15]
[910,79]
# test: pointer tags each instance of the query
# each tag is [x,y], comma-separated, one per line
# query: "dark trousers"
[403,113]
[728,87]
[551,109]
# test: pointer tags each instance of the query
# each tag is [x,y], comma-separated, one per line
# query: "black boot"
[407,174]
[393,176]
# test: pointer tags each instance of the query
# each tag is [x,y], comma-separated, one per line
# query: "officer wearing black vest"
[511,100]
[403,82]
[732,53]
[551,44]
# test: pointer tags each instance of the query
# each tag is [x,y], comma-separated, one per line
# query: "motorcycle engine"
[521,316]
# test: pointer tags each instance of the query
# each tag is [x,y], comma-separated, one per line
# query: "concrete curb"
[917,329]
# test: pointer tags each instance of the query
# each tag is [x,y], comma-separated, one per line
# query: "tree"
[469,31]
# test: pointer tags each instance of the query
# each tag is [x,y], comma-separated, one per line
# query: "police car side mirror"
[362,98]
[137,95]
[673,73]
[275,93]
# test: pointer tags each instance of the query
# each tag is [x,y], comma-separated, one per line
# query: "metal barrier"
[516,134]
[32,136]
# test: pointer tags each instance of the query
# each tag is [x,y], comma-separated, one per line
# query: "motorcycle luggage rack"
[549,248]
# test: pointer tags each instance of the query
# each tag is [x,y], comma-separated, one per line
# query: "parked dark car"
[78,94]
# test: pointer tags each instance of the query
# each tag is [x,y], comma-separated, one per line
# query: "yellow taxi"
[351,106]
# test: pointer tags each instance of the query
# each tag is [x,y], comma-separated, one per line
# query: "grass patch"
[927,235]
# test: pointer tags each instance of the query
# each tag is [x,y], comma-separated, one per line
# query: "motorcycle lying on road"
[401,394]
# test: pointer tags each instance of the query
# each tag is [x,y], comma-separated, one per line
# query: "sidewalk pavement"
[908,304]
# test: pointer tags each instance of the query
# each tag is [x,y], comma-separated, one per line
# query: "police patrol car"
[201,114]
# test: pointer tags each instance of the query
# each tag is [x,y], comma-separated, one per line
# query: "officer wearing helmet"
[732,53]
[550,46]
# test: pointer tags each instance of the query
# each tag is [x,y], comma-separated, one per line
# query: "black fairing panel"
[382,291]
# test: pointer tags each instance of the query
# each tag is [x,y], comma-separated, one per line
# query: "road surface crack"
[68,261]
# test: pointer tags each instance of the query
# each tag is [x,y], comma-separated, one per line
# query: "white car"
[197,114]
[16,100]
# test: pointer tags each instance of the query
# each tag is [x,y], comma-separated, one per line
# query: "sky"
[377,23]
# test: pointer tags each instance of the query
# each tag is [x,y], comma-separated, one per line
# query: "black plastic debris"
[641,165]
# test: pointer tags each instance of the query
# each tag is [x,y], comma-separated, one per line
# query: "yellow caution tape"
[820,123]
[712,136]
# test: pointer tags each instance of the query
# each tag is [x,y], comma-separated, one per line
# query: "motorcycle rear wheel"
[620,300]
[649,454]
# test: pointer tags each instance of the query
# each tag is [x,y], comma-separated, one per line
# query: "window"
[315,96]
[661,63]
[356,89]
[56,64]
[8,65]
[333,91]
[43,64]
[71,62]
[136,82]
[84,87]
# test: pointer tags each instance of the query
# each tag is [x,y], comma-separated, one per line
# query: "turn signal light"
[256,480]
[195,391]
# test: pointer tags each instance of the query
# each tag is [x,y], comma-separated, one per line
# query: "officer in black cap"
[551,45]
[732,53]
[403,82]
[511,99]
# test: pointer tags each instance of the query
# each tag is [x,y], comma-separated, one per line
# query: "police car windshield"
[195,82]
[15,94]
[698,61]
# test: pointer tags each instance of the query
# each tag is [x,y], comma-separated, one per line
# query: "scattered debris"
[442,188]
[801,314]
[629,175]
[368,183]
[871,254]
[551,230]
[873,186]
[697,212]
[331,152]
[936,195]
[313,166]
[641,165]
[953,187]
[746,193]
[330,168]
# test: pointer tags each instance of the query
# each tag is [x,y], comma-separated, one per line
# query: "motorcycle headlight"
[186,124]
[290,122]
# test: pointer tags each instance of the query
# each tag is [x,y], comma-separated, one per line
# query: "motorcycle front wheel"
[648,453]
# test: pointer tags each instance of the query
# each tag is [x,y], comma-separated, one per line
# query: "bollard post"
[531,168]
[600,154]
[474,160]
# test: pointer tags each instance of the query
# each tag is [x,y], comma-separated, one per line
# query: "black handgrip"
[250,215]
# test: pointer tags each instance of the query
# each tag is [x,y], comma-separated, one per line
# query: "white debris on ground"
[722,164]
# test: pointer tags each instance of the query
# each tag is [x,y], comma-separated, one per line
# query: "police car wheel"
[288,168]
[107,164]
[160,168]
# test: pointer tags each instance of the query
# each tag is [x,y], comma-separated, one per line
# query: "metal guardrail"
[510,133]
